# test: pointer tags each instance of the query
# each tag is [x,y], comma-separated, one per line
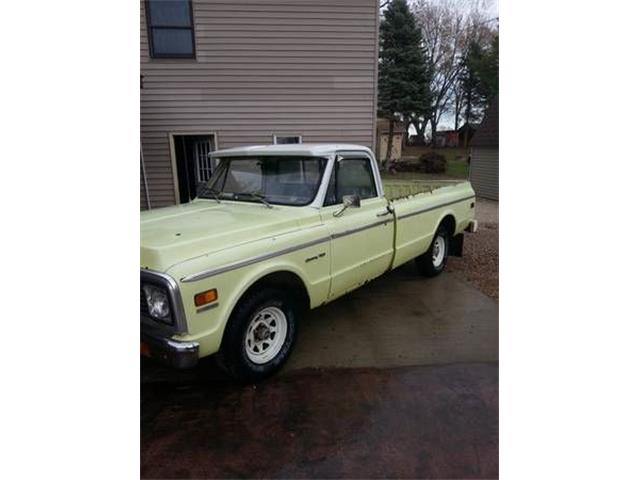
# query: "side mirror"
[348,201]
[351,201]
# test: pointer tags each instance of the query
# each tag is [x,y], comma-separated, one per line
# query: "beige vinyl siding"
[263,67]
[484,172]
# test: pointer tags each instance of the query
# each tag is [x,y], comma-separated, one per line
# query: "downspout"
[144,179]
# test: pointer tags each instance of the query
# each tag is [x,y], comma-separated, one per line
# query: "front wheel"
[433,261]
[260,335]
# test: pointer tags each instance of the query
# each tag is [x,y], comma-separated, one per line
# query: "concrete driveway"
[401,319]
[397,379]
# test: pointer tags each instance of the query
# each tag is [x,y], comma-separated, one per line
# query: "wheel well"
[288,281]
[449,222]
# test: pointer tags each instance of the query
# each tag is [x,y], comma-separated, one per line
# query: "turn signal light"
[208,296]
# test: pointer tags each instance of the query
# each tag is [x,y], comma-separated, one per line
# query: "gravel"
[479,263]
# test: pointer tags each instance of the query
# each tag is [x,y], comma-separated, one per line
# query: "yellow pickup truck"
[276,231]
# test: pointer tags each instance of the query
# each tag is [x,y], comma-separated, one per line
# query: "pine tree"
[403,81]
[479,80]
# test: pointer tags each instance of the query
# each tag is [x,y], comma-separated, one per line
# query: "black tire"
[233,356]
[425,262]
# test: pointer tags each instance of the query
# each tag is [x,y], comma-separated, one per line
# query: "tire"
[260,335]
[433,261]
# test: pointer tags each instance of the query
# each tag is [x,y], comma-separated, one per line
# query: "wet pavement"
[407,422]
[397,379]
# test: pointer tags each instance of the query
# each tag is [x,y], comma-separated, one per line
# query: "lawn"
[457,165]
[457,169]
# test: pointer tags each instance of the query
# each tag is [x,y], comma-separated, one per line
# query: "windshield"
[268,179]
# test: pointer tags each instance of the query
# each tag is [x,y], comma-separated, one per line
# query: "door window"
[351,176]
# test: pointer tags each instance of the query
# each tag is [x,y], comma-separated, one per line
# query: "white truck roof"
[302,149]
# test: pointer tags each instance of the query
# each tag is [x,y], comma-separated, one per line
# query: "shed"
[483,171]
[382,133]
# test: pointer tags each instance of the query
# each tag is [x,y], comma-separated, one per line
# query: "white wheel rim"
[265,335]
[437,254]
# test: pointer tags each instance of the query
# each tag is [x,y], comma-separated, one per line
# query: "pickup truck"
[278,230]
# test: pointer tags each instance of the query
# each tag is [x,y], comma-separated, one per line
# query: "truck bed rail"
[399,189]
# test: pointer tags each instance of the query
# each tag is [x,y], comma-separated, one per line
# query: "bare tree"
[448,28]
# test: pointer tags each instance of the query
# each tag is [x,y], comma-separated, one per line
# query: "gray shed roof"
[487,134]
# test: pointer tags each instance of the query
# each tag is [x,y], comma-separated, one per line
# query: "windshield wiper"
[258,196]
[210,191]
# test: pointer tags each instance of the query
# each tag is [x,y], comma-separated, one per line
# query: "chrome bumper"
[472,227]
[171,352]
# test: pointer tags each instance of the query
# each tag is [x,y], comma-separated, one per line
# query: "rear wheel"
[434,260]
[260,335]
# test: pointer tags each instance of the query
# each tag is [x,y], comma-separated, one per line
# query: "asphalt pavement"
[397,379]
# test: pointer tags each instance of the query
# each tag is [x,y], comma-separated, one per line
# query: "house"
[220,73]
[456,138]
[446,138]
[483,170]
[382,139]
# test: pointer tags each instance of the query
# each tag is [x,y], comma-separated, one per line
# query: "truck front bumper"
[171,352]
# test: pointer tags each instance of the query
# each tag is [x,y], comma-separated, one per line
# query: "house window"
[282,140]
[204,164]
[170,29]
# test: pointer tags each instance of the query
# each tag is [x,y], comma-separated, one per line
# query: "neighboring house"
[456,138]
[446,138]
[220,73]
[483,171]
[382,142]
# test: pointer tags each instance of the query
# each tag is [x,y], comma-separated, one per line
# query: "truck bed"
[400,189]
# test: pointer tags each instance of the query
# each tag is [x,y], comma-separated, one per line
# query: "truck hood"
[172,235]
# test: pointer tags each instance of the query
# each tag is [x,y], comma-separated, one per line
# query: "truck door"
[361,237]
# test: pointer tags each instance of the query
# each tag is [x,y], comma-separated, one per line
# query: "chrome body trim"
[207,307]
[435,207]
[182,347]
[177,308]
[359,229]
[250,261]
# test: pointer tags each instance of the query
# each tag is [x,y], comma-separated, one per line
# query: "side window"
[351,176]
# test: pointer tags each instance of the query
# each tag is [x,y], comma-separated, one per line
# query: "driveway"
[479,265]
[397,379]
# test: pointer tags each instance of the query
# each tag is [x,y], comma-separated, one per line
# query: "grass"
[457,168]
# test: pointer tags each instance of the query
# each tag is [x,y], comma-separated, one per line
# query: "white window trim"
[204,163]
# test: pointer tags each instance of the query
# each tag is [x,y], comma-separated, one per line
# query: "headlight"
[157,303]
